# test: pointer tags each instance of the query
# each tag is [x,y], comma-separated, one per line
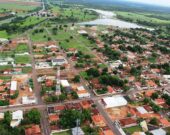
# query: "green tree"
[33,116]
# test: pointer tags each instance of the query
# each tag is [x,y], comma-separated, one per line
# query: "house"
[98,120]
[86,104]
[65,84]
[164,122]
[82,32]
[106,131]
[1,116]
[53,118]
[139,133]
[114,101]
[159,131]
[33,130]
[59,61]
[159,101]
[77,131]
[167,92]
[127,122]
[17,116]
[59,108]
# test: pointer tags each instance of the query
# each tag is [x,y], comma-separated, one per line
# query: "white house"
[116,64]
[115,101]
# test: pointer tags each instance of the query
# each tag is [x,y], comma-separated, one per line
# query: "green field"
[75,12]
[133,129]
[20,8]
[22,59]
[31,21]
[7,67]
[144,18]
[21,48]
[3,34]
[63,133]
[77,41]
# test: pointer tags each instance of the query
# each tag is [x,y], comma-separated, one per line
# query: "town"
[61,77]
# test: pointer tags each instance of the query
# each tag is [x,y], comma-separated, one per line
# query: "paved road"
[37,90]
[107,118]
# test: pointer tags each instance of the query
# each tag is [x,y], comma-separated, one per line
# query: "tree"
[93,72]
[7,118]
[74,95]
[154,121]
[154,96]
[68,118]
[33,116]
[76,79]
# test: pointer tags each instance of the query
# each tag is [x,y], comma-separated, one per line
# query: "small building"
[141,110]
[115,101]
[77,131]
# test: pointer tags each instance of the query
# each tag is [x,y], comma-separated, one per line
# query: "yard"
[133,129]
[21,48]
[22,59]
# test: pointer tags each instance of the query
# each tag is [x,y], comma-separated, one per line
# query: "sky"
[154,2]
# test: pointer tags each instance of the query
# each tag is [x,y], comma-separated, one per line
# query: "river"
[109,18]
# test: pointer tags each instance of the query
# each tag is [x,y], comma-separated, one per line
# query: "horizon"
[163,3]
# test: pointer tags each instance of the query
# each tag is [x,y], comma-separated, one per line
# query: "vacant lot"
[133,129]
[22,59]
[21,48]
[63,133]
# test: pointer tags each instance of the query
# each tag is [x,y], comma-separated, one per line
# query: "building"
[159,131]
[98,120]
[33,130]
[4,41]
[17,116]
[115,101]
[77,131]
[6,61]
[127,122]
[13,86]
[28,100]
[59,61]
[82,92]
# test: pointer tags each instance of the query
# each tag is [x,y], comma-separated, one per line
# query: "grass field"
[63,133]
[22,59]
